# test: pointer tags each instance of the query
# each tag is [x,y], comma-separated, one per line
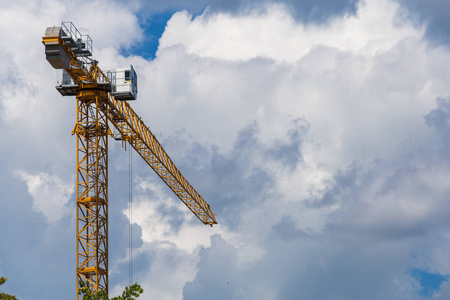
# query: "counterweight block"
[56,56]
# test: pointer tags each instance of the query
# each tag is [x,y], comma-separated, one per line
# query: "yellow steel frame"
[139,136]
[92,189]
[95,107]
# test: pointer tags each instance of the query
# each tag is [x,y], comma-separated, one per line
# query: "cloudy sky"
[317,131]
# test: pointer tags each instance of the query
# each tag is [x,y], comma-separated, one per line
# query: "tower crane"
[102,100]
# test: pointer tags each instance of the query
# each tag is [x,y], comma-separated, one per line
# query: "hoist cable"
[130,217]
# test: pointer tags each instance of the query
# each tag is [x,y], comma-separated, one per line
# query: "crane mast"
[100,101]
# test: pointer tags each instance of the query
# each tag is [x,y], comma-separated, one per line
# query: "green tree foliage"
[131,293]
[4,296]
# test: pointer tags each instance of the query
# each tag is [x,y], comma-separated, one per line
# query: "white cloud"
[174,248]
[109,23]
[50,194]
[276,35]
[335,85]
[361,84]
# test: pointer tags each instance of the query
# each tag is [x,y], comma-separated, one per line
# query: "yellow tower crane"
[101,99]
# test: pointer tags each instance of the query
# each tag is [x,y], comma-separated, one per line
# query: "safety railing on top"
[82,41]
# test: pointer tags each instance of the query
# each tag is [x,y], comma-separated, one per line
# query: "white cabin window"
[125,84]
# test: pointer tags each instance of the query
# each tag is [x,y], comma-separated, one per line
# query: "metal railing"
[82,41]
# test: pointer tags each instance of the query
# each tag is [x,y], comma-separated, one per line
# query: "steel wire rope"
[130,217]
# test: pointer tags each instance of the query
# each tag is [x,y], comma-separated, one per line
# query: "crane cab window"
[125,84]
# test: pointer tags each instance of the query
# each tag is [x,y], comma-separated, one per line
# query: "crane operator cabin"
[122,81]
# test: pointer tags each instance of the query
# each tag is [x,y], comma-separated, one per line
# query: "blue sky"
[153,27]
[317,130]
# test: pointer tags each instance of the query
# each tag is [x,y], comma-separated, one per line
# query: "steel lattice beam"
[139,136]
[92,189]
